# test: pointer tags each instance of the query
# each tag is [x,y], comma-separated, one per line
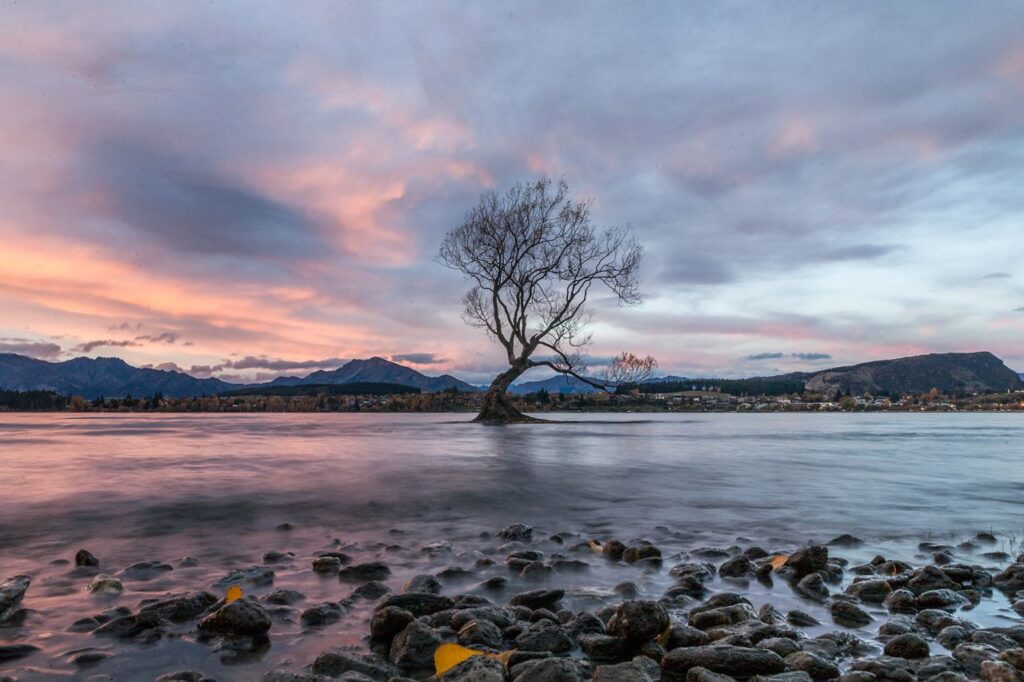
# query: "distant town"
[698,399]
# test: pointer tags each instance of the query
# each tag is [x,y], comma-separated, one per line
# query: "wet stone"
[373,570]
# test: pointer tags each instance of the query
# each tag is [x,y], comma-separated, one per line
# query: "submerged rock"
[242,618]
[12,591]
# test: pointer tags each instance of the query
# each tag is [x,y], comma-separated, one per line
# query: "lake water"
[138,487]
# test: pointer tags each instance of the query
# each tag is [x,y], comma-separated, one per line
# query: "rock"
[538,599]
[929,578]
[550,670]
[794,676]
[105,584]
[685,635]
[388,622]
[12,591]
[373,570]
[940,599]
[737,567]
[638,621]
[808,560]
[418,603]
[282,597]
[145,570]
[817,667]
[613,549]
[327,565]
[183,676]
[630,671]
[180,607]
[885,668]
[908,646]
[996,640]
[274,556]
[476,669]
[845,540]
[373,589]
[141,627]
[257,576]
[241,618]
[813,587]
[699,674]
[740,662]
[1014,657]
[292,676]
[1011,578]
[636,553]
[517,532]
[871,591]
[952,636]
[12,652]
[723,615]
[971,656]
[901,601]
[334,664]
[423,583]
[413,648]
[84,659]
[552,638]
[779,645]
[801,619]
[997,671]
[848,614]
[322,614]
[84,557]
[477,633]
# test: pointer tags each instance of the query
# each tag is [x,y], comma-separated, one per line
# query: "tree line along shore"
[702,399]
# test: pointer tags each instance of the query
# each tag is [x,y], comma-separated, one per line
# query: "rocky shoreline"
[518,607]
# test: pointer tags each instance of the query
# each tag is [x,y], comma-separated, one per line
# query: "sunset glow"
[185,189]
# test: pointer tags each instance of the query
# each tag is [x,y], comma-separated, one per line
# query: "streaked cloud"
[265,186]
[35,349]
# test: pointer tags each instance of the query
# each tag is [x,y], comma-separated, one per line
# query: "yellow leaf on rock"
[779,560]
[234,593]
[663,637]
[447,656]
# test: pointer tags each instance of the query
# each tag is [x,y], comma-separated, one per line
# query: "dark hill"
[95,377]
[947,372]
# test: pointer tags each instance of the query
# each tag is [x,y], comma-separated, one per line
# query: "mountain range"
[97,377]
[112,377]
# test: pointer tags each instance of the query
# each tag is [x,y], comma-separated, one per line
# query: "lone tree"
[534,258]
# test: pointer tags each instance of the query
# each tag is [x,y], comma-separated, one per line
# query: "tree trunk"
[497,408]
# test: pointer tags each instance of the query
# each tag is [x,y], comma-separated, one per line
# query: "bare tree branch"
[534,256]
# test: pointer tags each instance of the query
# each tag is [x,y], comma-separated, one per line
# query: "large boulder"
[638,621]
[413,648]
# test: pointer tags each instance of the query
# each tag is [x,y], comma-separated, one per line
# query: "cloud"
[860,252]
[252,362]
[807,357]
[90,346]
[165,337]
[1019,310]
[997,275]
[35,349]
[418,358]
[766,356]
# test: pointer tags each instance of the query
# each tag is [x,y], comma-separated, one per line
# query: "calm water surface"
[214,487]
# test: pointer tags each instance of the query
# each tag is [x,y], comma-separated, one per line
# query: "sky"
[246,190]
